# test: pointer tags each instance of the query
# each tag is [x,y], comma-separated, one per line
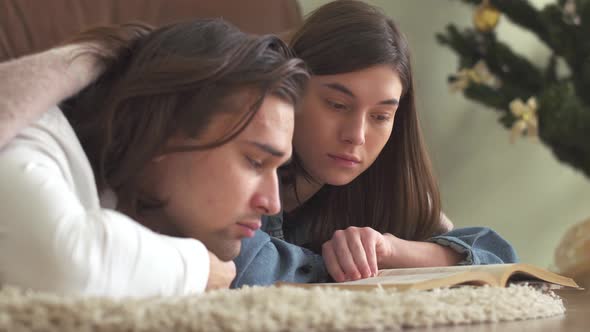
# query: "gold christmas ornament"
[526,115]
[479,74]
[486,16]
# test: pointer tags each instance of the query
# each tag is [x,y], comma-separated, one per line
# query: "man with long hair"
[145,182]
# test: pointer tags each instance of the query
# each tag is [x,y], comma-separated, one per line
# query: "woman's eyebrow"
[341,88]
[391,101]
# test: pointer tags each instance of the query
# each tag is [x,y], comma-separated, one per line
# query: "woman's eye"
[254,163]
[335,105]
[381,117]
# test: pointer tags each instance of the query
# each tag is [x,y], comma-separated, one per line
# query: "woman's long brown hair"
[398,194]
[168,81]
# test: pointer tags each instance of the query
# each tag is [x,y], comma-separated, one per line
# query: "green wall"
[518,189]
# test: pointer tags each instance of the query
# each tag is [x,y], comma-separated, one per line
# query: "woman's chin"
[339,180]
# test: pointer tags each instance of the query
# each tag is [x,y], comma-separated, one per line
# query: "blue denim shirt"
[266,258]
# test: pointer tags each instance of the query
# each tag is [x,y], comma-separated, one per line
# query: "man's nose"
[267,200]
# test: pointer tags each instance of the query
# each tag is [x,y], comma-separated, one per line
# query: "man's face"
[218,196]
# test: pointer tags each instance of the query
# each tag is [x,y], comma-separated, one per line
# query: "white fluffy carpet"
[276,309]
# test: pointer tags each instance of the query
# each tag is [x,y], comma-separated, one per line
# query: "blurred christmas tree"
[532,100]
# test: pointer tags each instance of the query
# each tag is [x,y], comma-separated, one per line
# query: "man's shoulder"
[51,143]
[52,130]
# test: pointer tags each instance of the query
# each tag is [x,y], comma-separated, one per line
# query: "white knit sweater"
[56,236]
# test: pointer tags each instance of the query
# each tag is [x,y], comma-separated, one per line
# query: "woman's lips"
[344,160]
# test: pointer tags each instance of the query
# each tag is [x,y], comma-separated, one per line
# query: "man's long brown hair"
[168,81]
[398,193]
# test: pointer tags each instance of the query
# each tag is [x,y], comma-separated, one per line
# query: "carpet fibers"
[276,309]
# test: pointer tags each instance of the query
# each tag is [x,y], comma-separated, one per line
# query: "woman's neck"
[305,187]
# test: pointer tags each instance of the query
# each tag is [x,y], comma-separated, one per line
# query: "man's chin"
[228,251]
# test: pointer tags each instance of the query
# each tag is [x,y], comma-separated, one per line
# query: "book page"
[417,281]
[405,277]
[495,269]
[526,272]
[500,273]
[434,277]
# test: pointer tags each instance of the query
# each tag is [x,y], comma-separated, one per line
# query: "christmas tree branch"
[564,122]
[466,46]
[512,69]
[495,98]
[563,111]
[561,34]
[549,25]
[522,13]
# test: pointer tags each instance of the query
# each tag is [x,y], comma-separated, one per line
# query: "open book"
[499,275]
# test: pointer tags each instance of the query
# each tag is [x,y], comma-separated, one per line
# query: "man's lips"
[249,228]
[253,225]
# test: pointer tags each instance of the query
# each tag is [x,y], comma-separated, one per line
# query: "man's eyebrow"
[341,88]
[267,148]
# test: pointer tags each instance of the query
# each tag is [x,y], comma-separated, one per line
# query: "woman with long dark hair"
[360,190]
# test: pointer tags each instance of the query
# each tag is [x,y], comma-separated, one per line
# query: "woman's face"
[345,121]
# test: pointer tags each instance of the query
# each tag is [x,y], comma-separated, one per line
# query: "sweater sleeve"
[50,241]
[264,260]
[34,83]
[480,245]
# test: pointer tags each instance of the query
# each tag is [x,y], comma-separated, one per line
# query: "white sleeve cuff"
[195,258]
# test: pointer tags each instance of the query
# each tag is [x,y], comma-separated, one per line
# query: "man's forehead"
[274,113]
[272,125]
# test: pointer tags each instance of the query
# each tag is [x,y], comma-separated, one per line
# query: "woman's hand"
[355,253]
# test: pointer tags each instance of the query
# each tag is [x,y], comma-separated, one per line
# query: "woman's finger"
[331,262]
[358,252]
[369,243]
[344,255]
